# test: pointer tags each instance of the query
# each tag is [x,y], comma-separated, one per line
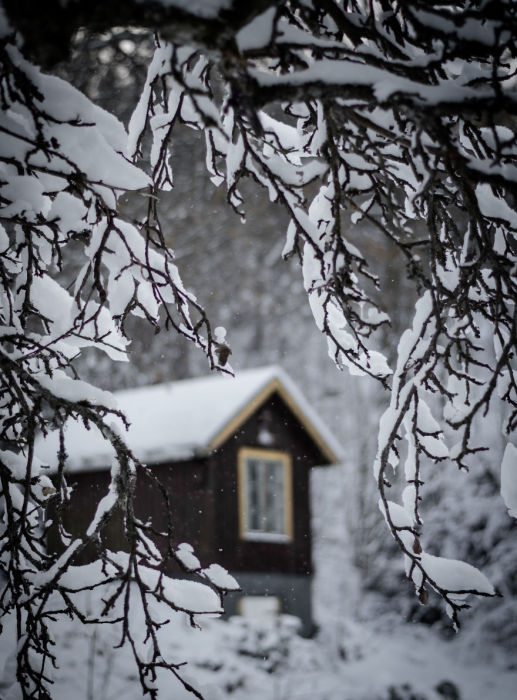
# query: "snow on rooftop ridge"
[182,419]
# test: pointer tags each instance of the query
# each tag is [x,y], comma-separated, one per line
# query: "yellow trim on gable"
[277,455]
[274,385]
[241,417]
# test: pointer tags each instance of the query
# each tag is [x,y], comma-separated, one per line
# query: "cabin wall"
[190,500]
[189,489]
[87,489]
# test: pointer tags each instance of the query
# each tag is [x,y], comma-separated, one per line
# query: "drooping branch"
[397,135]
[62,170]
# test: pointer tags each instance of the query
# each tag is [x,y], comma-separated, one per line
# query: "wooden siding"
[189,489]
[87,490]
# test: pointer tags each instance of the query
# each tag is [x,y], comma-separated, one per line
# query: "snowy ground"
[252,661]
[383,659]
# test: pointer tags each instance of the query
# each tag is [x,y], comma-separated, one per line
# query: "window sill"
[266,537]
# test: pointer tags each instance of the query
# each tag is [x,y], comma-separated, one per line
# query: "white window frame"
[261,535]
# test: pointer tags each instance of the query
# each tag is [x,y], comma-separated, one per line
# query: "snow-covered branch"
[62,170]
[404,129]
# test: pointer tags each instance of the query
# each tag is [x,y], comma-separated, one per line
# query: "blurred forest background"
[236,270]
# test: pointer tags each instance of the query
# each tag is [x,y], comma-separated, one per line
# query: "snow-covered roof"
[178,420]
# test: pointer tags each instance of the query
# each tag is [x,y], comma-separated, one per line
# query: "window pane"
[277,479]
[265,495]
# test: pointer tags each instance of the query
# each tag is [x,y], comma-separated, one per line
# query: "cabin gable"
[276,389]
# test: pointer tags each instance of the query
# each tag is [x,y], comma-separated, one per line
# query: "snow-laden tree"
[398,113]
[62,171]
